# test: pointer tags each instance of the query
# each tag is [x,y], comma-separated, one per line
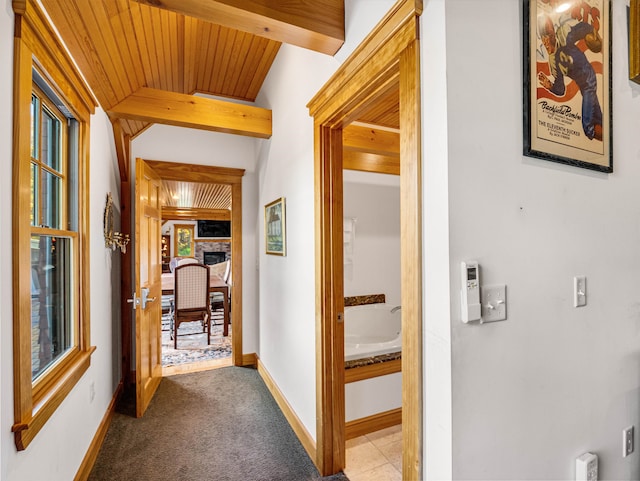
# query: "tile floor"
[375,456]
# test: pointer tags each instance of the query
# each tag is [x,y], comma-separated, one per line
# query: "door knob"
[134,300]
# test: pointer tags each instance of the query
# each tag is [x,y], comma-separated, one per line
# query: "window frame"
[36,46]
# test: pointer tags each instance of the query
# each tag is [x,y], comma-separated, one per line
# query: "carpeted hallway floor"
[220,425]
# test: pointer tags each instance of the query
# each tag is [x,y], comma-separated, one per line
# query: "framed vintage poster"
[567,82]
[634,40]
[275,227]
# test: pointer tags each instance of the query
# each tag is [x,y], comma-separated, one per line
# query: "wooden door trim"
[390,50]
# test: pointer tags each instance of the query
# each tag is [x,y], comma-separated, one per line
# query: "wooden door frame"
[389,54]
[190,173]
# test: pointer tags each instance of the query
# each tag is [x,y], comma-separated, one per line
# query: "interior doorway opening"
[387,59]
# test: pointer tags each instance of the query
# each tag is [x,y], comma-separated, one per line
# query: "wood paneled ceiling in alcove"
[178,194]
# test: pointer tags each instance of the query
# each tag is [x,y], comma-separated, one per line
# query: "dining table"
[216,284]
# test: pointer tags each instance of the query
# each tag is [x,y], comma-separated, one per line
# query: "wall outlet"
[627,441]
[92,391]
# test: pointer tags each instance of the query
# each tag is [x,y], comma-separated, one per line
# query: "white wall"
[374,201]
[6,273]
[287,284]
[553,381]
[190,146]
[372,396]
[58,449]
[436,308]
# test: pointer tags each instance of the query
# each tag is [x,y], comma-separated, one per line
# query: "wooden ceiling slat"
[385,111]
[191,47]
[243,78]
[112,29]
[139,33]
[169,57]
[262,69]
[239,58]
[128,126]
[70,25]
[152,48]
[178,49]
[158,50]
[223,64]
[256,51]
[128,32]
[206,58]
[227,54]
[96,22]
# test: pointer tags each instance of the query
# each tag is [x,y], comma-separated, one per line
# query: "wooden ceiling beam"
[123,149]
[162,107]
[196,173]
[316,25]
[187,213]
[359,138]
[368,162]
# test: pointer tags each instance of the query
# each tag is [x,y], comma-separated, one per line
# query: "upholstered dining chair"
[191,294]
[217,299]
[187,260]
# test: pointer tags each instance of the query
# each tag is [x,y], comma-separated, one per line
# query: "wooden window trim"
[36,46]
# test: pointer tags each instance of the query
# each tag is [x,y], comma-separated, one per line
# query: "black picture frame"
[568,117]
[214,228]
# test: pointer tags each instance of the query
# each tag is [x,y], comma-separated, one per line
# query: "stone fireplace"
[213,252]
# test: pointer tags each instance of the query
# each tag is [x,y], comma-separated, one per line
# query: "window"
[50,249]
[184,241]
[53,239]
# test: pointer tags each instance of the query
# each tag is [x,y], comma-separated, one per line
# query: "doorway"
[387,58]
[202,174]
[223,176]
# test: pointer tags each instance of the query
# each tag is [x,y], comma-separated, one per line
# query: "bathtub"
[371,330]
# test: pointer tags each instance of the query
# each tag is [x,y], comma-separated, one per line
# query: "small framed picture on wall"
[275,227]
[567,82]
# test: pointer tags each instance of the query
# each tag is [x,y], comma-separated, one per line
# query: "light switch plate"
[579,291]
[494,303]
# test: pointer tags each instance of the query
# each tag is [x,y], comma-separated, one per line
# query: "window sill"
[25,430]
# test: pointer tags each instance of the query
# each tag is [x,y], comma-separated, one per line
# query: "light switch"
[579,291]
[494,303]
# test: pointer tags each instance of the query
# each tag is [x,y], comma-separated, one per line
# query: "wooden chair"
[191,294]
[187,260]
[217,300]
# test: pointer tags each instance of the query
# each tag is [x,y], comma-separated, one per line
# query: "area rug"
[192,343]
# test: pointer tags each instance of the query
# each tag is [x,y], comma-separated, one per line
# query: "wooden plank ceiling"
[181,194]
[129,50]
[122,46]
